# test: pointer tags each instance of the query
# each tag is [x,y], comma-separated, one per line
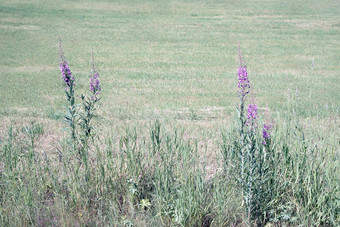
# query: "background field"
[173,60]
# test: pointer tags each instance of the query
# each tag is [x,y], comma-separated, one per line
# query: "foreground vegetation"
[161,180]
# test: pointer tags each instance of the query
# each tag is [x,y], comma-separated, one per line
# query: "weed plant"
[76,117]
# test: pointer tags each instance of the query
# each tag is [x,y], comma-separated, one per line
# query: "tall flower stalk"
[243,153]
[90,103]
[69,82]
[244,87]
[248,156]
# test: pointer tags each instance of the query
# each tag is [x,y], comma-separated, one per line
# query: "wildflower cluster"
[76,116]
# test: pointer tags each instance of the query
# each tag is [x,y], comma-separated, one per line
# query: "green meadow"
[157,58]
[167,116]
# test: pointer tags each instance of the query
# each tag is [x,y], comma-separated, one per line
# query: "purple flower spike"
[95,84]
[65,69]
[266,132]
[67,74]
[252,116]
[243,80]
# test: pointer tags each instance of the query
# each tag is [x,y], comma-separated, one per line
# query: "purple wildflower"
[67,74]
[266,132]
[65,69]
[252,116]
[243,80]
[95,85]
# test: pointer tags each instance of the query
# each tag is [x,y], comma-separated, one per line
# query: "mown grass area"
[167,149]
[157,57]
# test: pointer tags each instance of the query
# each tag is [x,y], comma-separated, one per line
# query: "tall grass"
[159,181]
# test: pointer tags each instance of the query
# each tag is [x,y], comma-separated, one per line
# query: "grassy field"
[175,61]
[161,58]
